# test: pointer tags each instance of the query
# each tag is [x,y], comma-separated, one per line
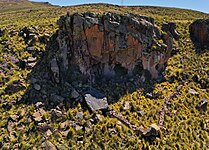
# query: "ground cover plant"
[33,126]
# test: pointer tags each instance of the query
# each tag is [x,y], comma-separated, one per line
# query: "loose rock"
[203,104]
[37,116]
[37,87]
[47,145]
[96,100]
[192,91]
[153,130]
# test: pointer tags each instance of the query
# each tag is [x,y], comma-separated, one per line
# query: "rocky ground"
[168,114]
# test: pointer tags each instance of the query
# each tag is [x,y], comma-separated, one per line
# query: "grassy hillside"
[16,5]
[185,127]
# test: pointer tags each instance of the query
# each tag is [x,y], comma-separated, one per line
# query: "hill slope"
[28,126]
[15,5]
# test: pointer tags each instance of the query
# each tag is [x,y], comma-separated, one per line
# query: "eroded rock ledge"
[91,48]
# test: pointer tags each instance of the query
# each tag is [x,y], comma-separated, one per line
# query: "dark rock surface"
[199,33]
[171,27]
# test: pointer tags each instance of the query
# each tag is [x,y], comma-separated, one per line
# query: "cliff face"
[199,32]
[108,46]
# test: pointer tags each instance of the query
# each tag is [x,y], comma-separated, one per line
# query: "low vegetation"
[184,127]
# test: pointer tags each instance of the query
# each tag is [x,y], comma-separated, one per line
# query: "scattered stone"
[192,91]
[37,87]
[42,111]
[37,116]
[87,127]
[31,59]
[10,126]
[78,128]
[79,115]
[47,145]
[23,112]
[30,49]
[15,86]
[127,105]
[153,130]
[203,104]
[21,126]
[16,146]
[48,133]
[33,80]
[56,114]
[65,133]
[148,95]
[12,135]
[96,100]
[152,95]
[178,89]
[99,117]
[64,125]
[43,127]
[141,113]
[14,117]
[39,105]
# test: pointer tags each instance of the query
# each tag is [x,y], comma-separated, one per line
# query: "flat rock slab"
[96,100]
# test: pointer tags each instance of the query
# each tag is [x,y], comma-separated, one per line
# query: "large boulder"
[109,46]
[199,33]
[90,48]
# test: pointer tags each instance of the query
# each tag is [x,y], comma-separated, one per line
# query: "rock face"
[90,48]
[199,33]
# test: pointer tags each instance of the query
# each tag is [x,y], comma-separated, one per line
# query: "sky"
[200,5]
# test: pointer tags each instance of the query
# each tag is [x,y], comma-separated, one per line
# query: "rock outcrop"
[109,46]
[199,33]
[91,48]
